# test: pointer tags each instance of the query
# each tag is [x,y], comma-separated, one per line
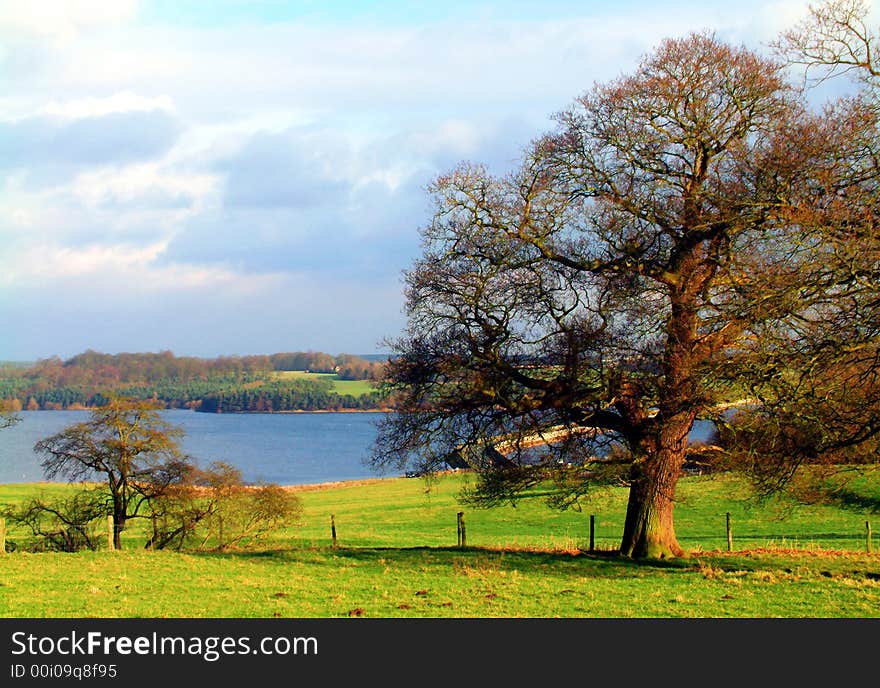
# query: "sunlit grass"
[355,388]
[396,555]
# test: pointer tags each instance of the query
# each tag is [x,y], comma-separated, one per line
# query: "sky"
[220,177]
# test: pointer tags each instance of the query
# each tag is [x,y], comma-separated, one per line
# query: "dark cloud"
[370,232]
[281,170]
[66,145]
[293,202]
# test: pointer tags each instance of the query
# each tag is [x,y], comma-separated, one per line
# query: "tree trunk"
[118,527]
[649,529]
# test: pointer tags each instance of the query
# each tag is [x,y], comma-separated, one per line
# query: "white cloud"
[151,182]
[21,217]
[123,269]
[42,261]
[285,73]
[220,75]
[124,101]
[63,19]
[772,19]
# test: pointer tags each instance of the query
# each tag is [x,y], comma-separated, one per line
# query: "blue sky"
[222,177]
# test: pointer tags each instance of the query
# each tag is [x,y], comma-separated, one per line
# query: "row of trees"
[131,467]
[217,395]
[690,236]
[151,367]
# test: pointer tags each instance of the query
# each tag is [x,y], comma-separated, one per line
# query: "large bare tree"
[668,250]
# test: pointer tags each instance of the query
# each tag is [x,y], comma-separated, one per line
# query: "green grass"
[355,388]
[396,557]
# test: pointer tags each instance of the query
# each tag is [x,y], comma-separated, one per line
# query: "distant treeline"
[223,384]
[287,395]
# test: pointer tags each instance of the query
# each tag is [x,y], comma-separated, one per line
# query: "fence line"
[461,534]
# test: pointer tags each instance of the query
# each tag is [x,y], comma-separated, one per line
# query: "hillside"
[293,381]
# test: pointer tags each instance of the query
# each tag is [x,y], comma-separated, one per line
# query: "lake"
[284,448]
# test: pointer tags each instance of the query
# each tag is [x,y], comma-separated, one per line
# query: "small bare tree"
[127,445]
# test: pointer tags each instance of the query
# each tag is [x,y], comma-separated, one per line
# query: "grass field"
[397,557]
[355,388]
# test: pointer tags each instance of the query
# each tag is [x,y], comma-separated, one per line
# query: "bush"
[219,510]
[63,525]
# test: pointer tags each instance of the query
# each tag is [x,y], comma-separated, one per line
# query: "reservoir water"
[283,448]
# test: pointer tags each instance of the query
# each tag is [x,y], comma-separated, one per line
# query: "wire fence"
[597,537]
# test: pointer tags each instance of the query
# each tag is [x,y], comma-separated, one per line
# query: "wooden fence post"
[462,537]
[592,532]
[110,540]
[333,528]
[868,544]
[2,536]
[729,534]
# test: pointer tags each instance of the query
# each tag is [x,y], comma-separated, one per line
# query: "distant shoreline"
[224,413]
[280,413]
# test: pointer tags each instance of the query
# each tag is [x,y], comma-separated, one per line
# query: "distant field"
[355,388]
[397,556]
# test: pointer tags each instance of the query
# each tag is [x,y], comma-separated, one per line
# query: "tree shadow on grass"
[598,564]
[854,536]
[850,499]
[457,561]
